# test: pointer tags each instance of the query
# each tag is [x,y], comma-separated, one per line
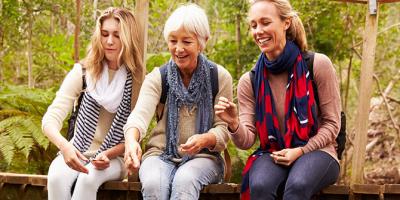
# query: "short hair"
[193,19]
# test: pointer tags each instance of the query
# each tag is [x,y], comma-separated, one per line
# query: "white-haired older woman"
[183,151]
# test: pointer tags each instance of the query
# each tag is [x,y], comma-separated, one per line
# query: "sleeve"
[245,136]
[220,129]
[149,97]
[329,108]
[65,97]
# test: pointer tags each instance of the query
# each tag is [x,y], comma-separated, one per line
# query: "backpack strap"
[75,108]
[164,84]
[308,57]
[214,81]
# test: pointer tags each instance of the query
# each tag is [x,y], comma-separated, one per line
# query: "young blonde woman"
[113,73]
[297,155]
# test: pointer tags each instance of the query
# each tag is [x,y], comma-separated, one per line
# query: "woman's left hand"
[286,156]
[195,143]
[101,162]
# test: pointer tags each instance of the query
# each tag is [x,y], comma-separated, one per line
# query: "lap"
[204,170]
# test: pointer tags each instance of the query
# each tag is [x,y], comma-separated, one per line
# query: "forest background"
[37,51]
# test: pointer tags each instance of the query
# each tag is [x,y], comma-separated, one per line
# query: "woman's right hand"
[227,111]
[73,157]
[133,155]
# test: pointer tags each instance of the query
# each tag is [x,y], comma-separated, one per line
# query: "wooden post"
[142,13]
[77,30]
[361,125]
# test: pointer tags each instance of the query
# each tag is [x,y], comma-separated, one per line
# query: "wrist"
[233,126]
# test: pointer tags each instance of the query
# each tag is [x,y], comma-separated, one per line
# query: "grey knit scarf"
[199,93]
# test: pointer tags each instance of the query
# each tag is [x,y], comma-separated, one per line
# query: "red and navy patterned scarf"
[300,108]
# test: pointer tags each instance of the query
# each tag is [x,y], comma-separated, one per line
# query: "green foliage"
[156,60]
[21,110]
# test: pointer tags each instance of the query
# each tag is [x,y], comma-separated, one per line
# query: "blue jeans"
[305,177]
[162,180]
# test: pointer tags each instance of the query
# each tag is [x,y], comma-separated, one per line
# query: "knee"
[56,180]
[297,186]
[185,187]
[87,181]
[185,181]
[263,186]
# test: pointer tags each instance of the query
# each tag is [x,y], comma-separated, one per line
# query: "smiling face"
[268,29]
[184,48]
[110,41]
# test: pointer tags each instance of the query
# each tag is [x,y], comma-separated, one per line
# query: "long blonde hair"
[130,54]
[296,30]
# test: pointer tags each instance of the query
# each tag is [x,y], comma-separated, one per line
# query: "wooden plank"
[367,189]
[392,189]
[142,13]
[366,1]
[135,186]
[361,125]
[222,188]
[336,189]
[115,185]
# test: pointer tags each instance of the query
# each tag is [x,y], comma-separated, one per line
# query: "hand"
[73,158]
[227,111]
[133,155]
[101,161]
[286,156]
[194,144]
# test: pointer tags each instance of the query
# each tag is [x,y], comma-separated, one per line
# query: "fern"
[21,110]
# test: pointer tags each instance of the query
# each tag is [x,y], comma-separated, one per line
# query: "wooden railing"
[33,187]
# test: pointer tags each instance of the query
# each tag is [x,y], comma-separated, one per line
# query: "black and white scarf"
[88,116]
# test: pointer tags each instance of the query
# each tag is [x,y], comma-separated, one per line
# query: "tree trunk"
[239,46]
[1,46]
[77,30]
[29,50]
[95,10]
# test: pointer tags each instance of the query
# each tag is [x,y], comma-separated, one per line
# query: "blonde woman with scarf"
[296,157]
[113,73]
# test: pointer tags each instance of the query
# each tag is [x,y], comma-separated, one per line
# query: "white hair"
[193,19]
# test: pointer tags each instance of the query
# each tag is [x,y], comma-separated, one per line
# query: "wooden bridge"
[33,187]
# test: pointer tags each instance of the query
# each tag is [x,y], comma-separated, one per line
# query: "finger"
[278,153]
[223,99]
[81,156]
[219,107]
[135,161]
[187,145]
[78,166]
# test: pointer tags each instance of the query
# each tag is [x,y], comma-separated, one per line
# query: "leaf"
[6,148]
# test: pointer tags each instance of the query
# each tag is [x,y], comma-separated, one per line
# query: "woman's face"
[184,48]
[110,40]
[267,28]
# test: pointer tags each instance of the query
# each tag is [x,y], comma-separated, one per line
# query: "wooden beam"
[366,1]
[361,125]
[142,13]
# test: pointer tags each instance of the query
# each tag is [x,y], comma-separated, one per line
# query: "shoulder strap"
[214,80]
[308,56]
[75,108]
[164,84]
[83,78]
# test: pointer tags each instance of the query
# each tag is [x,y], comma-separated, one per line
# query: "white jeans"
[61,177]
[156,176]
